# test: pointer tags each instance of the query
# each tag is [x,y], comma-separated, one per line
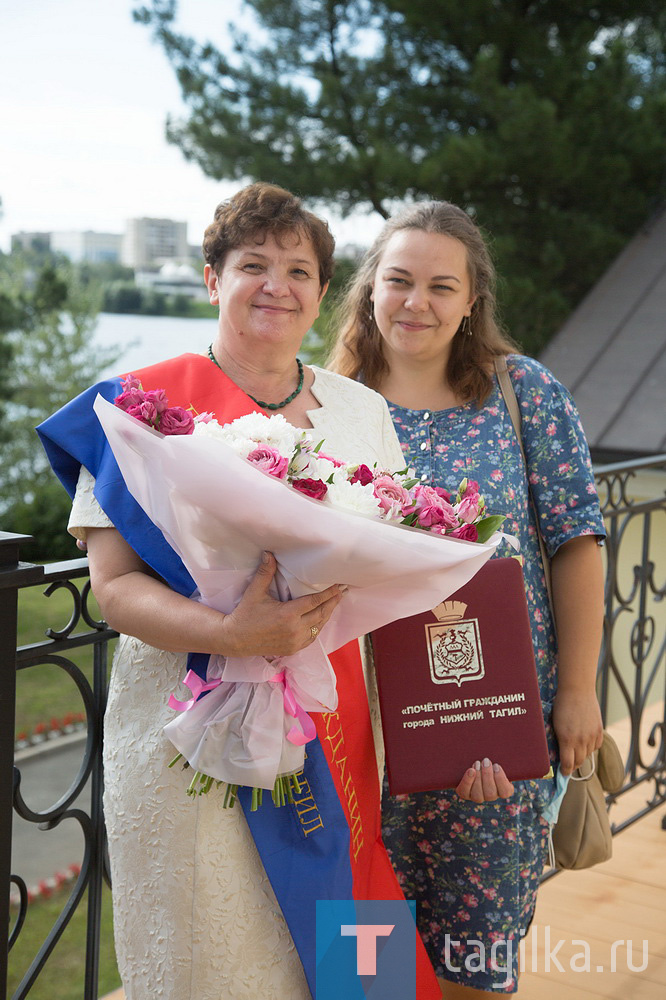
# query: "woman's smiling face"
[267,291]
[421,293]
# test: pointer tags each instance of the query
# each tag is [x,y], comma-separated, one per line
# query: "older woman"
[419,326]
[199,891]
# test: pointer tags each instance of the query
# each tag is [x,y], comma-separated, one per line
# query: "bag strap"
[509,394]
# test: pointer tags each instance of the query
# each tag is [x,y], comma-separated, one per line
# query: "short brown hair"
[260,209]
[358,350]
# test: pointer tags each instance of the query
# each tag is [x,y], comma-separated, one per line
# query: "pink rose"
[158,398]
[315,488]
[444,494]
[131,382]
[204,418]
[269,460]
[433,509]
[472,488]
[467,532]
[393,498]
[130,397]
[363,475]
[145,412]
[176,420]
[468,508]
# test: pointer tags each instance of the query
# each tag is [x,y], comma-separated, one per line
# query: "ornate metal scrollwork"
[22,909]
[94,866]
[633,661]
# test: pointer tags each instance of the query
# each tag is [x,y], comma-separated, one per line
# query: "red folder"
[459,683]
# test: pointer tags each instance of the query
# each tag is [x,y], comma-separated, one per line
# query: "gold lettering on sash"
[306,808]
[335,737]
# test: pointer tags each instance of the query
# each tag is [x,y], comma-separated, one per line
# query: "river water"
[144,340]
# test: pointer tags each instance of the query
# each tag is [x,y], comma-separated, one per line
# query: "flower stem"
[191,788]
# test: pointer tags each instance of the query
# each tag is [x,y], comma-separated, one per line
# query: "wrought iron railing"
[632,672]
[55,649]
[632,666]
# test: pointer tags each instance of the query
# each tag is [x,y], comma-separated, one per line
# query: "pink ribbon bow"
[295,735]
[197,687]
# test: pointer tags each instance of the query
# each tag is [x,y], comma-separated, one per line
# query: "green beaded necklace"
[260,402]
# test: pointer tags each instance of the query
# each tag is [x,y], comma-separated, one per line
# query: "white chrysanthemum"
[323,468]
[247,433]
[275,431]
[353,496]
[209,429]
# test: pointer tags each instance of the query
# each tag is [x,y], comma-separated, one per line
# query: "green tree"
[53,359]
[122,297]
[545,119]
[8,319]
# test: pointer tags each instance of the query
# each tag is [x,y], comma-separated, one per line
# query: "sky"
[84,96]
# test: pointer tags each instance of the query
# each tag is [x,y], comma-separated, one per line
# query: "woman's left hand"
[484,782]
[578,726]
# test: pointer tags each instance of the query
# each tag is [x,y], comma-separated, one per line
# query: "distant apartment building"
[88,246]
[31,241]
[151,242]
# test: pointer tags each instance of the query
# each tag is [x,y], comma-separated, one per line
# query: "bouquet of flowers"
[223,494]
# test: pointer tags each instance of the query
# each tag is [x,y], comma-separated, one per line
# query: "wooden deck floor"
[621,900]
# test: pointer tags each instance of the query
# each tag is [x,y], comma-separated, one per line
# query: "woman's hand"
[484,782]
[578,597]
[578,726]
[134,601]
[263,626]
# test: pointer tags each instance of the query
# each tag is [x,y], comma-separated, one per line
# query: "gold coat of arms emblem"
[454,645]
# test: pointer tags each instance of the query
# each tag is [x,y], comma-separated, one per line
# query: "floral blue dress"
[474,869]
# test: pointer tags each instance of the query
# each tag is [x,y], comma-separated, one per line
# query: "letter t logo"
[366,944]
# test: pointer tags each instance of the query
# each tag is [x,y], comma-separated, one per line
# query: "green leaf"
[489,525]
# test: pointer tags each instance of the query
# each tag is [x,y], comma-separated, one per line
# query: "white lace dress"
[195,916]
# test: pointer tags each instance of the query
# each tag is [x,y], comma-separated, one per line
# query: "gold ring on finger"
[314,631]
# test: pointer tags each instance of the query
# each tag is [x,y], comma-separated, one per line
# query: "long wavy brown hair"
[358,351]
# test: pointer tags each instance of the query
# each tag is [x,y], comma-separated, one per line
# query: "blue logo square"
[366,949]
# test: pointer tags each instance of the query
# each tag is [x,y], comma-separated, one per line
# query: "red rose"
[314,488]
[363,475]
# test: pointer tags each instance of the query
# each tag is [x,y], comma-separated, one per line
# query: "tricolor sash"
[327,845]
